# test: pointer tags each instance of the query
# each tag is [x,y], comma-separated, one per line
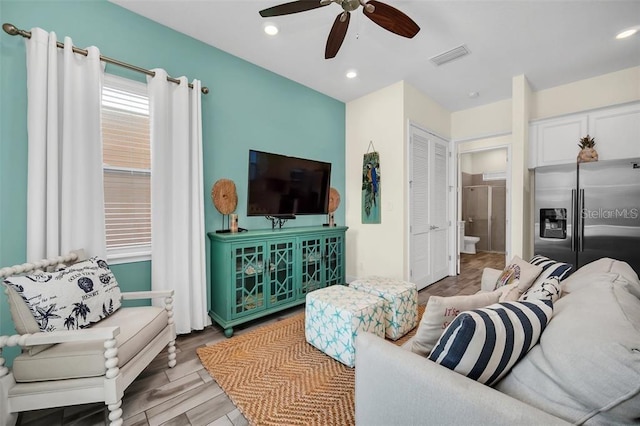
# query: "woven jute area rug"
[275,377]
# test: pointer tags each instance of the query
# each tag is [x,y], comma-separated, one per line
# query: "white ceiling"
[552,42]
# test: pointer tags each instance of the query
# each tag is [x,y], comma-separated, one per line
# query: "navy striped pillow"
[484,344]
[551,268]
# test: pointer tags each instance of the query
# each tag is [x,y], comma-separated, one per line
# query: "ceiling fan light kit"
[388,17]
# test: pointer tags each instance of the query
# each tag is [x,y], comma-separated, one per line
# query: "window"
[127,169]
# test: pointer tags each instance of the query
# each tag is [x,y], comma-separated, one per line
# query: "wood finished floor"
[187,395]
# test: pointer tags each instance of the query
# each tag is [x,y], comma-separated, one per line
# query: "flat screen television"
[283,186]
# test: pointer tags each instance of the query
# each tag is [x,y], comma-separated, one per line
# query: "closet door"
[420,263]
[438,202]
[428,221]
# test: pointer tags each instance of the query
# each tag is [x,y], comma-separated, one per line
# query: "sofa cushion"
[583,277]
[440,311]
[547,289]
[138,327]
[483,344]
[520,270]
[587,365]
[71,298]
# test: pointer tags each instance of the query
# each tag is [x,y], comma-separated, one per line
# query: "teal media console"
[257,273]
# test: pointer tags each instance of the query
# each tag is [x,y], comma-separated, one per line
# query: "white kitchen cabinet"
[616,131]
[557,140]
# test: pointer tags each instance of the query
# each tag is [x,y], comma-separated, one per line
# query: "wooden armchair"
[92,364]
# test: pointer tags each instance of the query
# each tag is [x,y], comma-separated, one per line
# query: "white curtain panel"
[65,199]
[177,198]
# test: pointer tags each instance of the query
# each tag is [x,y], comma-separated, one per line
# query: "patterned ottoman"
[401,307]
[334,315]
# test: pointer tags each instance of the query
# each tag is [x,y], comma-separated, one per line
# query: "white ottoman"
[401,307]
[333,317]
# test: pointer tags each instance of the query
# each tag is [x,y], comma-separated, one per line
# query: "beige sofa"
[585,369]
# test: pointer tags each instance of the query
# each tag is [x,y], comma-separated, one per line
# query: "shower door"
[498,218]
[476,212]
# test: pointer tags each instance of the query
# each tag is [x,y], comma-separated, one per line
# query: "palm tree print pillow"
[72,298]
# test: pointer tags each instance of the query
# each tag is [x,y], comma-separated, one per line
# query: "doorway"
[482,202]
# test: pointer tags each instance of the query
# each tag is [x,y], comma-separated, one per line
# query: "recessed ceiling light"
[271,29]
[352,74]
[474,94]
[627,33]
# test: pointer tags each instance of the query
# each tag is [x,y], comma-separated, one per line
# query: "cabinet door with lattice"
[248,292]
[281,272]
[334,260]
[311,253]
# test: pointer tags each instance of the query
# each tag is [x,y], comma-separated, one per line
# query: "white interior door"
[419,268]
[429,225]
[438,215]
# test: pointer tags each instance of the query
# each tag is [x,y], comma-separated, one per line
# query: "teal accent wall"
[248,108]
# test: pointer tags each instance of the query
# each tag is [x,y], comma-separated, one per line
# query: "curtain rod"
[13,30]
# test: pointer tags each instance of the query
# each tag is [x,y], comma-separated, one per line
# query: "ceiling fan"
[386,16]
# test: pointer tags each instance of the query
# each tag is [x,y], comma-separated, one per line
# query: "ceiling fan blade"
[392,19]
[337,34]
[292,7]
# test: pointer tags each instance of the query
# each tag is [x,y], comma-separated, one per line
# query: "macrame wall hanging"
[371,208]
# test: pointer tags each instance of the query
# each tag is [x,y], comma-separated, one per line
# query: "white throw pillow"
[440,311]
[484,344]
[520,270]
[71,298]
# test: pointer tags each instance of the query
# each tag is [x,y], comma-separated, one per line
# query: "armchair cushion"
[71,298]
[138,327]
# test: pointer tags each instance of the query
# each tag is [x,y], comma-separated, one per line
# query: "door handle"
[581,220]
[573,220]
[432,227]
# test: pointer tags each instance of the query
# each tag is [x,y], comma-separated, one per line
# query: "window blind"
[126,164]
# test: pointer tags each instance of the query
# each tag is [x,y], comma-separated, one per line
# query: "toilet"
[469,246]
[466,243]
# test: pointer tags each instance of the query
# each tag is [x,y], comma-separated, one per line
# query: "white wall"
[483,121]
[426,113]
[466,163]
[378,117]
[382,117]
[494,160]
[609,89]
[521,197]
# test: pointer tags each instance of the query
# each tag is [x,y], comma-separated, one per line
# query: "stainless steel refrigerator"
[587,211]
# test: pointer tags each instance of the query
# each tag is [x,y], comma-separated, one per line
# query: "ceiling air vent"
[450,55]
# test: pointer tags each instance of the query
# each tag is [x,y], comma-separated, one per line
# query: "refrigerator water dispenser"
[553,223]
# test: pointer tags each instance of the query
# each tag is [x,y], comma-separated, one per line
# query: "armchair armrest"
[97,333]
[154,294]
[62,336]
